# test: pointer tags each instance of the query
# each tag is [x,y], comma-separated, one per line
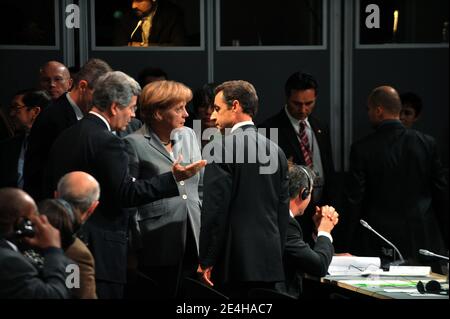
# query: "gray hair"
[81,198]
[115,87]
[299,179]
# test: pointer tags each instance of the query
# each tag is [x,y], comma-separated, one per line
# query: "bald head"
[14,203]
[79,189]
[387,98]
[55,79]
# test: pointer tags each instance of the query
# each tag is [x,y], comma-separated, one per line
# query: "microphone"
[366,225]
[137,27]
[430,254]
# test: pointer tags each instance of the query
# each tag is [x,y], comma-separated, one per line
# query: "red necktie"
[304,144]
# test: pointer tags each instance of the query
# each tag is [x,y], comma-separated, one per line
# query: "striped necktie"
[304,144]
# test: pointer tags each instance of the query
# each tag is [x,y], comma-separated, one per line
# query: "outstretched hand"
[182,173]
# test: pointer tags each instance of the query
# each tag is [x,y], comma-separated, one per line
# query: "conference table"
[374,286]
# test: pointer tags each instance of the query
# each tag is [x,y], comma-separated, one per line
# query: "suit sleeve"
[439,190]
[312,261]
[112,165]
[218,182]
[354,193]
[283,206]
[23,281]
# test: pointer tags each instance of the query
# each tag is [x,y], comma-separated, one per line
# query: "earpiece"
[24,228]
[306,192]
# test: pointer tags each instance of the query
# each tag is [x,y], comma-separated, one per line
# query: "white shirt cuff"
[324,233]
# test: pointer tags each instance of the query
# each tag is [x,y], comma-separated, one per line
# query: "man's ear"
[114,108]
[236,106]
[83,85]
[91,209]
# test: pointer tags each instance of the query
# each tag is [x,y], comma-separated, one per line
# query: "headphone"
[307,191]
[431,287]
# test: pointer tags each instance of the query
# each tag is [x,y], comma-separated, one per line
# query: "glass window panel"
[27,23]
[419,21]
[271,23]
[175,23]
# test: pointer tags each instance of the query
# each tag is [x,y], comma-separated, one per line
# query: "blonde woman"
[167,230]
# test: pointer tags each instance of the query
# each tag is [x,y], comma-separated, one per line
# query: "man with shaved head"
[55,79]
[81,191]
[19,278]
[397,184]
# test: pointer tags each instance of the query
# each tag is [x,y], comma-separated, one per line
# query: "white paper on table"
[352,265]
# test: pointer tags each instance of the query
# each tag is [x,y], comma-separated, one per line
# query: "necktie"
[304,144]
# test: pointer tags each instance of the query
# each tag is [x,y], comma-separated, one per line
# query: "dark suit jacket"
[20,279]
[289,143]
[396,183]
[299,258]
[245,212]
[88,146]
[167,29]
[47,127]
[132,127]
[9,159]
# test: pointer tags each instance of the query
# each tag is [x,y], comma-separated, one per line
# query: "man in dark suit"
[90,146]
[61,114]
[396,183]
[155,22]
[299,257]
[245,203]
[305,140]
[25,108]
[19,278]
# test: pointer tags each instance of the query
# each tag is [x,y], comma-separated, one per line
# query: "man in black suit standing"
[19,278]
[299,257]
[67,110]
[90,146]
[396,183]
[245,203]
[26,106]
[305,140]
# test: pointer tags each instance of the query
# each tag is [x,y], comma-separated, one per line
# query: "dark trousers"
[109,290]
[168,280]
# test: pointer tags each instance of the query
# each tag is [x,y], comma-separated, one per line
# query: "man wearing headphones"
[298,257]
[19,278]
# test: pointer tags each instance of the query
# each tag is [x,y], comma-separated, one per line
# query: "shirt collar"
[75,107]
[102,118]
[293,120]
[292,215]
[241,124]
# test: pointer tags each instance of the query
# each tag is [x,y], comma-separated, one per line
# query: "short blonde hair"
[161,95]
